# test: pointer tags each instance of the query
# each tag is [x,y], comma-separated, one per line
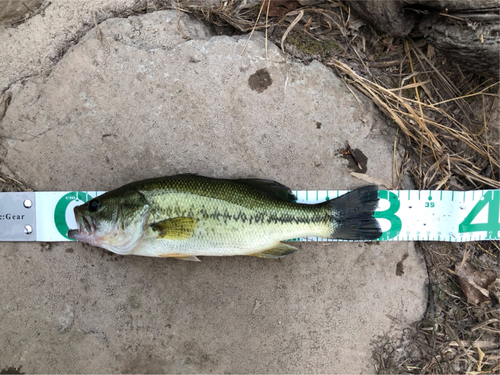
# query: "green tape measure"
[404,215]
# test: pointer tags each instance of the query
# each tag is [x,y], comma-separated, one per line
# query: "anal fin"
[276,252]
[190,258]
[179,256]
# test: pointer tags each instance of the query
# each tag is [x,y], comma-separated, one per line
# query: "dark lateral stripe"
[262,217]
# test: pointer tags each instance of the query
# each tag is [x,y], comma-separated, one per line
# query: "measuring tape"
[404,215]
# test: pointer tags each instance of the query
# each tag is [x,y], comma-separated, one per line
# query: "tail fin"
[352,215]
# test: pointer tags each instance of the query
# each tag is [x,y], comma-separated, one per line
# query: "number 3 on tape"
[390,214]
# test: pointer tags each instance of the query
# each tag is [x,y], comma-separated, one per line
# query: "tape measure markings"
[417,215]
[437,217]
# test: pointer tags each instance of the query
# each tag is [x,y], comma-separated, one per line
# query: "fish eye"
[94,205]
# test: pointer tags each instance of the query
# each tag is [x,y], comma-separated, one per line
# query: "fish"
[186,216]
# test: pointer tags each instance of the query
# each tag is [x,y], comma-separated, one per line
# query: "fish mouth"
[86,227]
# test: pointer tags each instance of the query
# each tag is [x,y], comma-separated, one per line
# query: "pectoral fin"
[178,228]
[275,252]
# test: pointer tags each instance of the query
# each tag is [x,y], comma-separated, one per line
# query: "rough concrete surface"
[12,11]
[36,45]
[146,102]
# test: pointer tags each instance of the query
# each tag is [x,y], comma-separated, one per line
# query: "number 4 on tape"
[491,199]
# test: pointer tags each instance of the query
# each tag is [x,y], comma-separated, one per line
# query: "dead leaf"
[400,268]
[430,52]
[474,283]
[279,7]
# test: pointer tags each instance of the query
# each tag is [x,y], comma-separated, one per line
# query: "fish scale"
[232,230]
[187,215]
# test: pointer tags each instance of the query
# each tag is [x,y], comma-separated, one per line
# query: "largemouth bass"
[185,216]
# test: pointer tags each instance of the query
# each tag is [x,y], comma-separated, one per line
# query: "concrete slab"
[145,102]
[34,46]
[15,11]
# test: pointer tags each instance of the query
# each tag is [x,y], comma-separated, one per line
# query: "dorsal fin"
[271,187]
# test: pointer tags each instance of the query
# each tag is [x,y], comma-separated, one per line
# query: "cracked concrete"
[25,53]
[145,102]
[15,11]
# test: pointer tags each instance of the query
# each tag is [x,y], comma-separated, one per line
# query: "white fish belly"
[226,240]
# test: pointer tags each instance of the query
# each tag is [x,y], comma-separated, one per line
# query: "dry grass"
[453,336]
[444,116]
[10,184]
[447,122]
